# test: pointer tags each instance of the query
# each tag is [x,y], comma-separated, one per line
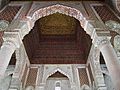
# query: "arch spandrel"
[42,12]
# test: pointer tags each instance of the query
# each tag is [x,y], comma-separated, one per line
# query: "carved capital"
[101,41]
[12,37]
[22,27]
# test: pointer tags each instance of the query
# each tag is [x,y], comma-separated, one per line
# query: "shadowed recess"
[57,75]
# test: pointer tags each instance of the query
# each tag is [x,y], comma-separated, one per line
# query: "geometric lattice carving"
[31,80]
[105,13]
[9,13]
[24,75]
[83,76]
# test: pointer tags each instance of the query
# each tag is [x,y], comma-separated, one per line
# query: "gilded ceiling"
[57,24]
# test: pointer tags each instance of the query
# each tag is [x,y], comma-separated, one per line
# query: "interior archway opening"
[57,39]
[57,81]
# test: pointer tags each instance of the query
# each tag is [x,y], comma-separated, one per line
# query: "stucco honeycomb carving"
[101,41]
[113,25]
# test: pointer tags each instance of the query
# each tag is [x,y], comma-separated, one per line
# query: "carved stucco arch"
[51,72]
[69,11]
[42,12]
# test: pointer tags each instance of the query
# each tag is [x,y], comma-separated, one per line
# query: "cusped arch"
[42,12]
[57,70]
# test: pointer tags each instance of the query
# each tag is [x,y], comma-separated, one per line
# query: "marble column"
[111,60]
[6,51]
[11,42]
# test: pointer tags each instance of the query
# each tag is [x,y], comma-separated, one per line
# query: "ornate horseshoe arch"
[42,12]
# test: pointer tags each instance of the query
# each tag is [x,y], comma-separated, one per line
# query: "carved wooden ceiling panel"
[57,24]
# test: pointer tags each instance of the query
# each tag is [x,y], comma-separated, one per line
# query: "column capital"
[22,27]
[101,41]
[12,38]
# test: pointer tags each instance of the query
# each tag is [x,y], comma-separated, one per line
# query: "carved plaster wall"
[51,69]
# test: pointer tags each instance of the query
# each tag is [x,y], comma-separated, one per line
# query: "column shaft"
[112,63]
[6,51]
